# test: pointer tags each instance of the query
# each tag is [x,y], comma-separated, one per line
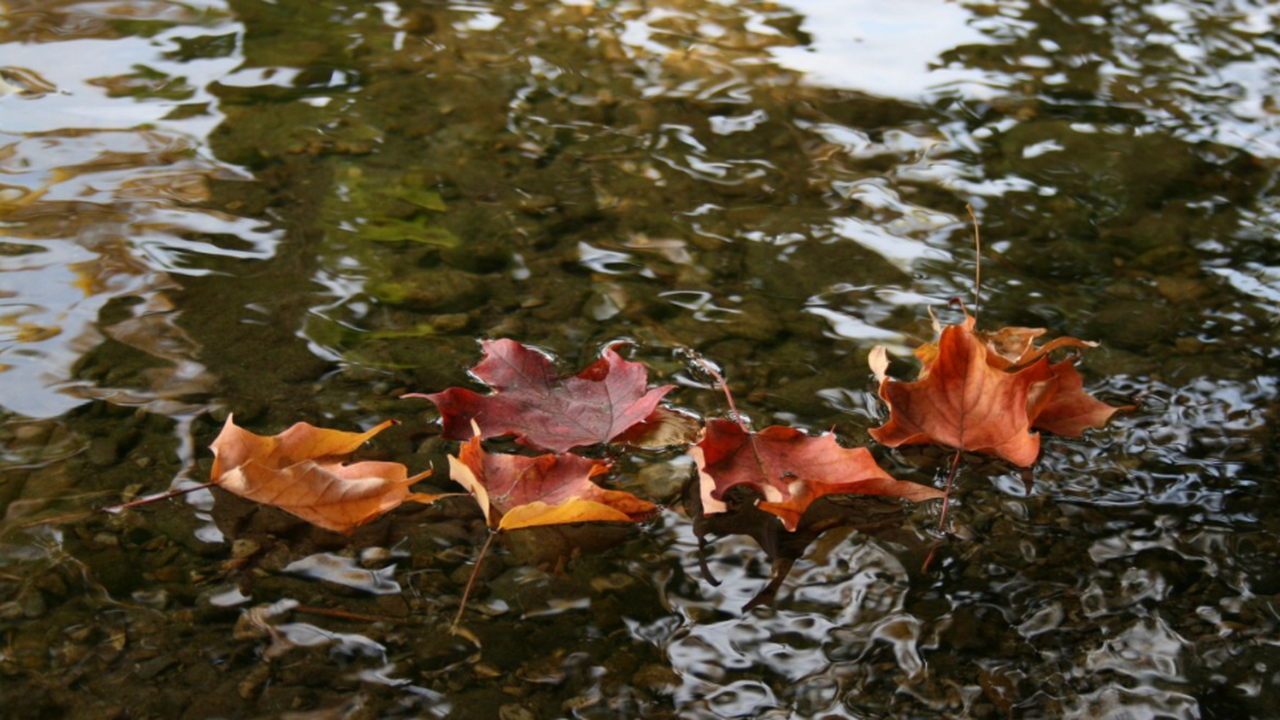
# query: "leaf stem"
[156,498]
[946,502]
[471,581]
[343,614]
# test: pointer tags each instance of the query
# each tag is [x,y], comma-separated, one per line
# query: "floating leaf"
[542,409]
[790,470]
[300,471]
[986,392]
[961,401]
[519,492]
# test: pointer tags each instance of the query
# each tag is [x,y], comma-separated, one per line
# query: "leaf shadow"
[868,515]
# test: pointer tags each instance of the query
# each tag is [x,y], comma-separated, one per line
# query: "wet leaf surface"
[740,179]
[789,469]
[303,471]
[542,409]
[987,392]
[516,491]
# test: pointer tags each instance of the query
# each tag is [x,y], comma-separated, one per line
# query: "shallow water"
[302,210]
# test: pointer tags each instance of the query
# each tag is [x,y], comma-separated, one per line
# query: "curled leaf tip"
[878,359]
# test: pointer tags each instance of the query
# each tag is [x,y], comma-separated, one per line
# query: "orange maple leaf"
[518,492]
[986,391]
[965,402]
[301,472]
[1065,408]
[790,469]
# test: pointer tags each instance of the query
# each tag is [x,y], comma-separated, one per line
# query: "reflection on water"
[892,51]
[345,571]
[301,210]
[104,158]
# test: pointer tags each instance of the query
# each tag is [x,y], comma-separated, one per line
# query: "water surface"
[302,210]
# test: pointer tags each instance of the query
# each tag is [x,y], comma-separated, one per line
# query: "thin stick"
[724,387]
[471,581]
[946,492]
[156,498]
[955,461]
[345,615]
[977,263]
[71,517]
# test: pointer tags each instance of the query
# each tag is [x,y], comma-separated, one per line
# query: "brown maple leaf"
[518,492]
[301,472]
[972,408]
[790,470]
[964,402]
[542,409]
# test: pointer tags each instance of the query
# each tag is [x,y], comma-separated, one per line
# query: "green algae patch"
[408,230]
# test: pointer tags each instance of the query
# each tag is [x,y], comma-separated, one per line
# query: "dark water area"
[300,211]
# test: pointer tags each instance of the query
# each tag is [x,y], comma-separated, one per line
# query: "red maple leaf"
[790,470]
[543,409]
[517,492]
